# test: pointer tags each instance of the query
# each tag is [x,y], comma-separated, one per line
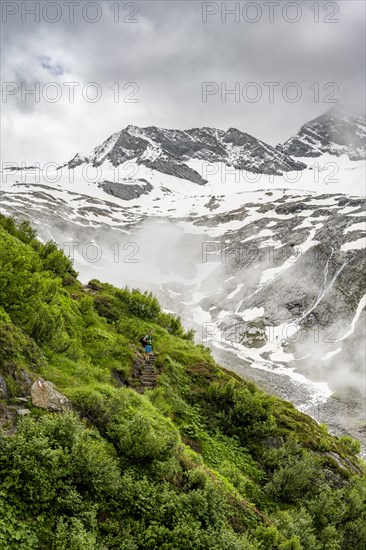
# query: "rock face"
[126,192]
[285,289]
[167,151]
[45,396]
[3,388]
[335,132]
[253,334]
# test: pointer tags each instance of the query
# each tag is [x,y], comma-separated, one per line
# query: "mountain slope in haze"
[167,150]
[198,459]
[334,132]
[286,275]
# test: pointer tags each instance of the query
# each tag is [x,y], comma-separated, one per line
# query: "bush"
[296,474]
[351,444]
[57,467]
[70,534]
[244,413]
[189,335]
[56,261]
[15,532]
[107,306]
[137,431]
[22,231]
[56,446]
[298,524]
[143,305]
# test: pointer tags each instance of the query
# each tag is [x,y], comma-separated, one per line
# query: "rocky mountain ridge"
[167,151]
[285,271]
[334,132]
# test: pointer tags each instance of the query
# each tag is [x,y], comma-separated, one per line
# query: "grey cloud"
[169,53]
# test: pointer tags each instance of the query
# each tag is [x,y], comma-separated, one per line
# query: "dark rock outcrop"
[167,151]
[124,191]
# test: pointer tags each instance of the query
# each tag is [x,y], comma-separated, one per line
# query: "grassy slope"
[204,460]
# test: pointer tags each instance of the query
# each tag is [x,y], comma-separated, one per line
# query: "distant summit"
[335,132]
[168,151]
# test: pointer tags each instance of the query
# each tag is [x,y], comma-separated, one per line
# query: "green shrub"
[298,524]
[56,261]
[293,544]
[296,473]
[107,306]
[351,444]
[268,536]
[15,532]
[58,465]
[289,483]
[70,534]
[137,431]
[244,413]
[143,305]
[187,465]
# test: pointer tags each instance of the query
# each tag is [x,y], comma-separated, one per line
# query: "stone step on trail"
[148,376]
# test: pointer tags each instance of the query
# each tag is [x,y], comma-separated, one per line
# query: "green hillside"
[195,458]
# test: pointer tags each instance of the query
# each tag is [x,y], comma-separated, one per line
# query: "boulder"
[22,411]
[45,396]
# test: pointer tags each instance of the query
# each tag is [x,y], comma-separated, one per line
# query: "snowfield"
[283,252]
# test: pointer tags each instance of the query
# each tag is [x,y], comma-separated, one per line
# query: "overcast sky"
[158,55]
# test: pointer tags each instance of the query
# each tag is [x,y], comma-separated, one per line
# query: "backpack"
[142,342]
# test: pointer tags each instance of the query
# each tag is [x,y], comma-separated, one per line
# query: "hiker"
[146,341]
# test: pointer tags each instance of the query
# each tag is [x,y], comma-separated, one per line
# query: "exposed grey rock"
[167,150]
[334,132]
[213,203]
[273,442]
[291,208]
[175,168]
[124,191]
[22,411]
[45,396]
[343,463]
[4,394]
[26,380]
[118,377]
[8,417]
[321,289]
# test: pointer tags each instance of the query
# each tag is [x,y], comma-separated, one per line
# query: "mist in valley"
[206,283]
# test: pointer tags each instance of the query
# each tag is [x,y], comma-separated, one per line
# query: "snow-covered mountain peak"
[168,151]
[271,262]
[336,132]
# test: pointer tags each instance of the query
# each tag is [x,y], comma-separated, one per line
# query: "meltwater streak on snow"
[324,288]
[360,307]
[238,288]
[330,354]
[270,275]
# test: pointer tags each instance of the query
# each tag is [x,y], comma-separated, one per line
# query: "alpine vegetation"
[109,442]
